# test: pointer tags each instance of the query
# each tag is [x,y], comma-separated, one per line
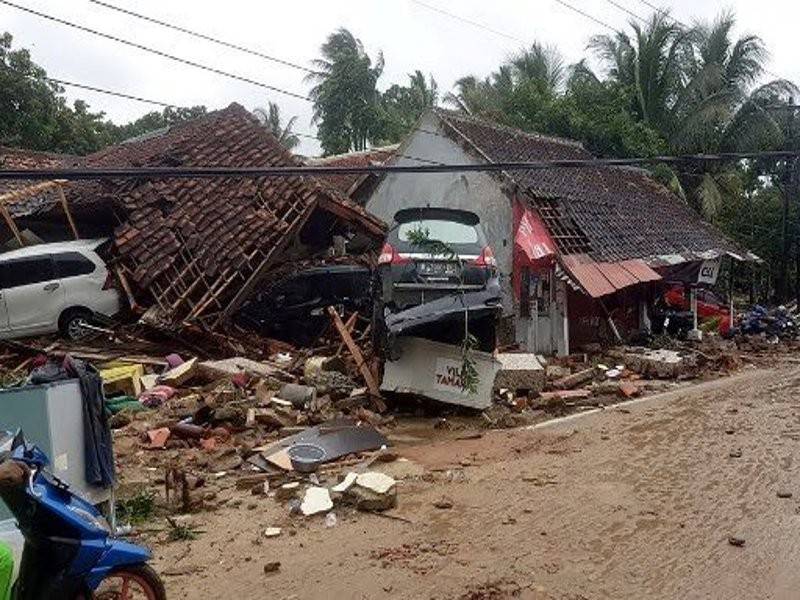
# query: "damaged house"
[194,249]
[580,251]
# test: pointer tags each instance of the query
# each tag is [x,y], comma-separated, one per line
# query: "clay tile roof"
[15,158]
[365,158]
[607,213]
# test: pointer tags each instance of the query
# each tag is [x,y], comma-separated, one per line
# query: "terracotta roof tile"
[608,213]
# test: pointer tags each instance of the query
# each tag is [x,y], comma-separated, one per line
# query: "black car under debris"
[293,308]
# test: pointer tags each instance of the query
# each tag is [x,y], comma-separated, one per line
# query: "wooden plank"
[355,351]
[350,324]
[11,224]
[63,197]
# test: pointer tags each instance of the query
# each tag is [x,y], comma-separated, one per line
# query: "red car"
[709,305]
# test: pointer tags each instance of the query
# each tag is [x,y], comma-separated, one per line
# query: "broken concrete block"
[560,396]
[217,369]
[297,394]
[661,364]
[345,484]
[271,532]
[179,375]
[373,491]
[314,366]
[375,481]
[556,371]
[287,491]
[628,389]
[575,379]
[520,371]
[316,500]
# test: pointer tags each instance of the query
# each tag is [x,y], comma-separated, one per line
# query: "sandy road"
[636,502]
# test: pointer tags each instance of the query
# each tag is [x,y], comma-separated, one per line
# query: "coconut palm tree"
[540,68]
[270,118]
[652,62]
[344,93]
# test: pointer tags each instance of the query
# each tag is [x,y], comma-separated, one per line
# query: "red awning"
[533,247]
[532,241]
[600,279]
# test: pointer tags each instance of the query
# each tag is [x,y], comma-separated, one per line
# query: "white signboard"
[447,376]
[709,271]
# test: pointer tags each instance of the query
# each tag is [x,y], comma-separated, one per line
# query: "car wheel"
[73,322]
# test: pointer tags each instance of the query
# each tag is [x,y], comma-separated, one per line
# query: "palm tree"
[540,68]
[270,118]
[653,63]
[345,96]
[543,65]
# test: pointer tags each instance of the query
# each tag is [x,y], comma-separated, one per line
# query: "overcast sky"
[410,36]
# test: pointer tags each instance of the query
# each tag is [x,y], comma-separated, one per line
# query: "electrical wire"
[77,174]
[587,15]
[612,3]
[160,53]
[205,37]
[467,21]
[92,88]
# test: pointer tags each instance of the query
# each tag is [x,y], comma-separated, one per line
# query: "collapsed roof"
[349,183]
[198,245]
[603,217]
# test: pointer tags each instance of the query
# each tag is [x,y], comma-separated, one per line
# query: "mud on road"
[637,501]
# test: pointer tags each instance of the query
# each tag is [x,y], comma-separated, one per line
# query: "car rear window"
[25,271]
[449,232]
[72,264]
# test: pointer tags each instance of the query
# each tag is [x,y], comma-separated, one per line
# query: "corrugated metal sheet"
[600,279]
[640,270]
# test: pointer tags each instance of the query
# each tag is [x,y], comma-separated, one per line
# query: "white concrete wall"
[477,192]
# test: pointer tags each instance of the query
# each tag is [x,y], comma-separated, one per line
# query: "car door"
[33,296]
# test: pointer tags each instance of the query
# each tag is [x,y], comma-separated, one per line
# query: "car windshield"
[449,232]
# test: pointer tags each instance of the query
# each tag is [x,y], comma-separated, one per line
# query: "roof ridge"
[447,114]
[386,148]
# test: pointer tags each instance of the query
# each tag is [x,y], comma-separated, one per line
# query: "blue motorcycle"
[70,551]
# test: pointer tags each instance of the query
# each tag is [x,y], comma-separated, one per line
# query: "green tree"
[345,95]
[271,119]
[154,121]
[35,115]
[401,106]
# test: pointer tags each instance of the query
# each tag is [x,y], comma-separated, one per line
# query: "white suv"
[54,287]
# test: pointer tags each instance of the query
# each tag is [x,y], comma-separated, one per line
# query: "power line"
[587,15]
[92,88]
[468,21]
[612,3]
[252,172]
[205,37]
[156,52]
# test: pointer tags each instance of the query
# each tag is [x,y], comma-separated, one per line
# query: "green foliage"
[154,121]
[270,118]
[34,114]
[401,106]
[345,93]
[138,508]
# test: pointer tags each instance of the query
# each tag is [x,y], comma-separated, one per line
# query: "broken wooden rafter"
[361,363]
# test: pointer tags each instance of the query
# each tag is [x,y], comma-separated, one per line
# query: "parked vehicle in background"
[674,308]
[55,287]
[454,258]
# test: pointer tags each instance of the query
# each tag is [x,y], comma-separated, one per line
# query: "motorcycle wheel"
[139,582]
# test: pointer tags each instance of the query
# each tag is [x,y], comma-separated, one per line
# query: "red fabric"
[533,246]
